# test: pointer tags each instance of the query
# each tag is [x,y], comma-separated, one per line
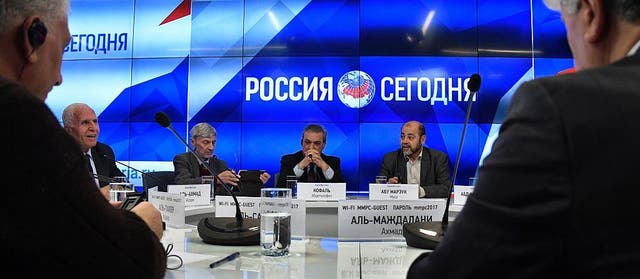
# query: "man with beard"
[415,164]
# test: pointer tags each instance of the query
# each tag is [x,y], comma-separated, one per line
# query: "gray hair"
[315,128]
[13,12]
[202,130]
[68,114]
[628,10]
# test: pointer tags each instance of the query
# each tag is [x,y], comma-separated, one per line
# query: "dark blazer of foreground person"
[54,218]
[558,195]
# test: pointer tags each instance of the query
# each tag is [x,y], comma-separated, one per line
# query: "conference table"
[321,216]
[319,254]
[309,257]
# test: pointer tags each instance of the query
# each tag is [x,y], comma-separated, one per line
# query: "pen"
[224,260]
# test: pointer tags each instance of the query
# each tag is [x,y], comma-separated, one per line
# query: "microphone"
[157,179]
[311,169]
[427,235]
[232,231]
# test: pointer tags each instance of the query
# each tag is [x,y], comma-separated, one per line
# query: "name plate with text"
[171,206]
[460,194]
[225,206]
[393,191]
[322,191]
[194,194]
[383,220]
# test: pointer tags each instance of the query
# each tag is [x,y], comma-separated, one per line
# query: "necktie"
[312,173]
[89,163]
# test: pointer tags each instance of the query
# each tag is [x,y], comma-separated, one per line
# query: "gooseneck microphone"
[427,235]
[235,231]
[157,179]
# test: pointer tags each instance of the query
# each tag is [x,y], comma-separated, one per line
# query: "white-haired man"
[55,221]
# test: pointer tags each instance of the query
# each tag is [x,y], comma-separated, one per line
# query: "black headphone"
[37,33]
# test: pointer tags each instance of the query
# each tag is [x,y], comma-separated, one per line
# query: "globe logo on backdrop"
[356,89]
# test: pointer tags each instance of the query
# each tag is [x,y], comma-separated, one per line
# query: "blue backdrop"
[260,70]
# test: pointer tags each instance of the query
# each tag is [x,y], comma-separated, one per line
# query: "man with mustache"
[414,163]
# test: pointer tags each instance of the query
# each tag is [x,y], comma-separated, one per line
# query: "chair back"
[158,178]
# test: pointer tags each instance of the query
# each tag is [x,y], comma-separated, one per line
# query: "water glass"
[208,179]
[292,183]
[118,188]
[275,221]
[381,179]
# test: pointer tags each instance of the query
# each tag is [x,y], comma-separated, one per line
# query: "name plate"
[383,220]
[171,206]
[372,260]
[460,194]
[194,194]
[225,206]
[322,191]
[393,191]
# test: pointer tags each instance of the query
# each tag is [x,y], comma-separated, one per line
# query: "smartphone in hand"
[131,201]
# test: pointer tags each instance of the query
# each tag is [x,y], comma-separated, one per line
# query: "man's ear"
[32,34]
[596,20]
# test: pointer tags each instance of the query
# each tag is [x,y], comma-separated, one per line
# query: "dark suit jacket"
[558,195]
[54,216]
[434,171]
[287,162]
[105,163]
[187,168]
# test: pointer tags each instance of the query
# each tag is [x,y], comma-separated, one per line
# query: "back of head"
[627,10]
[13,12]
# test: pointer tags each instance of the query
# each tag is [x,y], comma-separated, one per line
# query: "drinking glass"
[118,188]
[208,179]
[292,183]
[381,179]
[275,221]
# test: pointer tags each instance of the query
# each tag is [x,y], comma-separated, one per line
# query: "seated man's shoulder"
[393,153]
[437,152]
[180,156]
[291,155]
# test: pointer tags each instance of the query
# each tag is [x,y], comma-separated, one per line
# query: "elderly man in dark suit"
[81,122]
[187,167]
[414,163]
[558,195]
[310,164]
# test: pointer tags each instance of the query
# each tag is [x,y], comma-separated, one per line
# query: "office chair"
[158,178]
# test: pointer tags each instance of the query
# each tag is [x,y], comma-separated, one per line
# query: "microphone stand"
[427,235]
[220,230]
[130,167]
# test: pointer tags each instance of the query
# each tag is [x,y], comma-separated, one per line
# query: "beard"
[409,150]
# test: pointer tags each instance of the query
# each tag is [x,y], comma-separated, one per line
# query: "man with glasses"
[557,197]
[310,164]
